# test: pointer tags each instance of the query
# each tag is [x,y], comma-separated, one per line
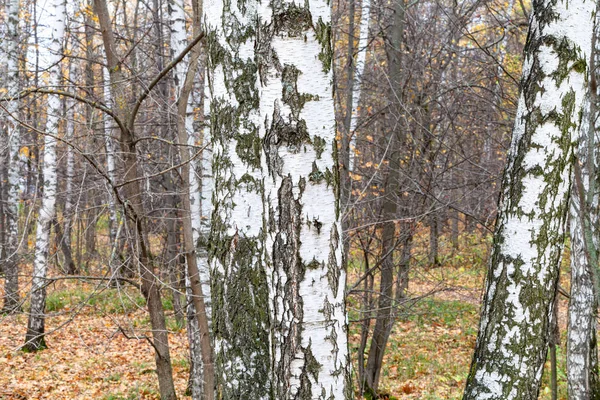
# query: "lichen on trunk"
[276,236]
[522,278]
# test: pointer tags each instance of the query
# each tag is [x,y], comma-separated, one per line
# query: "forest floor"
[97,350]
[430,349]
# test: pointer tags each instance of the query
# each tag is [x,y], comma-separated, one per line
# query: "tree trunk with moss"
[522,279]
[240,323]
[277,278]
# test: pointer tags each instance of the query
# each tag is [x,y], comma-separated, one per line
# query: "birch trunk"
[113,214]
[55,15]
[357,71]
[202,371]
[65,241]
[304,249]
[278,284]
[522,279]
[582,351]
[11,209]
[240,322]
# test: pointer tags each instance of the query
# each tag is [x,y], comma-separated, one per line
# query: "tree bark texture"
[522,279]
[276,256]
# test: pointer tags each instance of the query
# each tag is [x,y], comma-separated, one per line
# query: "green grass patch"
[103,300]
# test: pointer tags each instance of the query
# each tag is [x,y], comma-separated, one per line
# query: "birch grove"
[298,200]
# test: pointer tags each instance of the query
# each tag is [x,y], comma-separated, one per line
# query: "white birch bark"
[582,350]
[276,204]
[240,321]
[54,15]
[179,41]
[582,357]
[522,279]
[109,144]
[303,247]
[11,285]
[359,68]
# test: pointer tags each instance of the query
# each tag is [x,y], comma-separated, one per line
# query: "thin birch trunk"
[582,351]
[65,241]
[202,371]
[55,15]
[113,214]
[11,208]
[522,279]
[358,68]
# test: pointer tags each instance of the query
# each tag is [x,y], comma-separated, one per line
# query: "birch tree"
[522,279]
[11,140]
[197,276]
[582,351]
[55,16]
[276,234]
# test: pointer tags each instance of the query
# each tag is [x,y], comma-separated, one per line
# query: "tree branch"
[161,75]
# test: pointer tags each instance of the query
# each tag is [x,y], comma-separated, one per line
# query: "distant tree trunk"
[34,339]
[134,209]
[434,259]
[407,236]
[91,215]
[65,240]
[395,135]
[113,213]
[202,376]
[200,199]
[11,207]
[172,258]
[522,279]
[454,229]
[65,249]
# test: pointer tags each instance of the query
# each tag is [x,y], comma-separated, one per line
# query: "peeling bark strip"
[276,241]
[521,284]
